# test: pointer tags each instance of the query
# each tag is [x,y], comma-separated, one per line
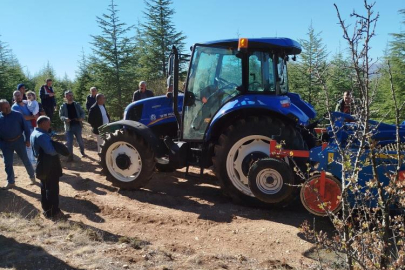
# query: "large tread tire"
[271,128]
[146,155]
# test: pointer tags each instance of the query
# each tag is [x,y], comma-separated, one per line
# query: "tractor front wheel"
[127,160]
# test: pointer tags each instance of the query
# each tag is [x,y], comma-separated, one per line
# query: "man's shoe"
[83,155]
[8,186]
[33,181]
[60,216]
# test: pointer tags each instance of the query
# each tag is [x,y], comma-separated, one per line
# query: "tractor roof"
[287,45]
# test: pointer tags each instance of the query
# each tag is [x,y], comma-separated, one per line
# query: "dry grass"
[73,245]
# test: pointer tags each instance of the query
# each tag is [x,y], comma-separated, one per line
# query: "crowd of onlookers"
[25,128]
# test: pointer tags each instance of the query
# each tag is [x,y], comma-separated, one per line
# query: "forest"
[118,61]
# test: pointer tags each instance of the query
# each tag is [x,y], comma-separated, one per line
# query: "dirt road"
[187,220]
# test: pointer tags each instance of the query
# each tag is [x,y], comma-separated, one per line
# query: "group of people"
[25,128]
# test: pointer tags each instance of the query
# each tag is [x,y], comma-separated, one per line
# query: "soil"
[186,218]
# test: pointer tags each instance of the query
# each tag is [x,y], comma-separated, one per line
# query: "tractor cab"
[220,71]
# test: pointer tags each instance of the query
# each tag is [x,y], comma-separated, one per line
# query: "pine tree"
[155,39]
[395,54]
[83,80]
[11,73]
[112,60]
[397,60]
[313,57]
[302,75]
[340,77]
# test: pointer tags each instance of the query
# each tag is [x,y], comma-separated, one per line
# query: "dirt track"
[187,218]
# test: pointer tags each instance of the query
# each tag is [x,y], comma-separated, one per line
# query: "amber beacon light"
[243,43]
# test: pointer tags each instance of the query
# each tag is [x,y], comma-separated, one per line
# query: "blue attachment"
[345,126]
[287,45]
[154,111]
[271,103]
[330,161]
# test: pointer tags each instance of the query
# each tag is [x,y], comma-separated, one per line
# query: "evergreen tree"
[303,78]
[112,60]
[395,54]
[155,39]
[313,57]
[397,60]
[340,77]
[11,73]
[83,80]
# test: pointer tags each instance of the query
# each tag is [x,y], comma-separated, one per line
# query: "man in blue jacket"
[12,127]
[49,168]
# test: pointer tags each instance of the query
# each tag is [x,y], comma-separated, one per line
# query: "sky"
[56,31]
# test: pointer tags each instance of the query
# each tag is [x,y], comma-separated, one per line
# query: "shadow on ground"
[72,205]
[202,196]
[12,203]
[25,256]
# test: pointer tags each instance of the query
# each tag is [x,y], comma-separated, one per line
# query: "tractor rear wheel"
[127,160]
[241,145]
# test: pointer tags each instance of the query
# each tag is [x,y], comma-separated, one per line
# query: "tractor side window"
[282,75]
[261,78]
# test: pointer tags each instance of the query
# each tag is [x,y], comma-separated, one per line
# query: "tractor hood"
[152,111]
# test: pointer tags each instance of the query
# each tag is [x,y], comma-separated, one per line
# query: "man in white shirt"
[98,116]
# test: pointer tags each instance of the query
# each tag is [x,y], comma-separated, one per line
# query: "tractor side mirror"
[189,99]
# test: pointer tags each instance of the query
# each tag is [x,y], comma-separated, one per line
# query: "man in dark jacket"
[142,92]
[91,99]
[49,168]
[48,98]
[345,105]
[98,116]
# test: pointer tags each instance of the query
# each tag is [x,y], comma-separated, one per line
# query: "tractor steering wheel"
[221,80]
[211,99]
[254,86]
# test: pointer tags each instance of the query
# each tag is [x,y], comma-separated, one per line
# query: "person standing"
[48,100]
[20,106]
[72,115]
[33,106]
[345,105]
[91,99]
[98,116]
[22,89]
[49,168]
[12,126]
[142,92]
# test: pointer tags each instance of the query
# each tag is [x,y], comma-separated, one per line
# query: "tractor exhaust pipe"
[175,53]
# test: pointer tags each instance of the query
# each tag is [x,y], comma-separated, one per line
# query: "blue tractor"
[235,101]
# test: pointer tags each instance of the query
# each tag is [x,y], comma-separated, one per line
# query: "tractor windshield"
[214,76]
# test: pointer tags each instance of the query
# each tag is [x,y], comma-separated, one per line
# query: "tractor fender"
[137,127]
[279,105]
